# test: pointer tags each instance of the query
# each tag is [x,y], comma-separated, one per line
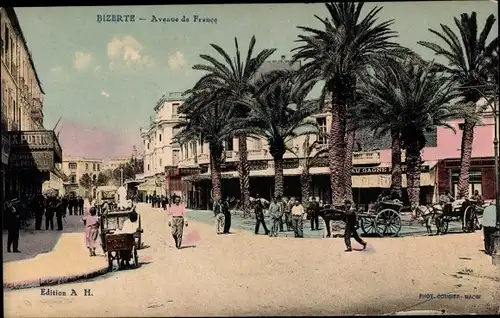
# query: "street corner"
[56,280]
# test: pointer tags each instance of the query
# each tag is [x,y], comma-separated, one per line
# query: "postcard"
[313,159]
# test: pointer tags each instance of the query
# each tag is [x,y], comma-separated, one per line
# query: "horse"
[425,214]
[331,214]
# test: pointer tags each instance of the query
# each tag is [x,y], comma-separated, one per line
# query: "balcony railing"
[363,158]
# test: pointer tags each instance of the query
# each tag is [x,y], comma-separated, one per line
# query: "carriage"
[120,247]
[464,211]
[385,220]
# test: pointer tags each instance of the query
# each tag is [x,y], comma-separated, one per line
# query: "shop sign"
[37,160]
[382,170]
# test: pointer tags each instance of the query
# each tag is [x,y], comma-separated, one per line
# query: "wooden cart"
[385,221]
[113,221]
[121,247]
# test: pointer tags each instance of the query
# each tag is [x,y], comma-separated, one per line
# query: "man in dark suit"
[258,209]
[49,213]
[350,227]
[80,205]
[313,211]
[60,212]
[39,208]
[13,226]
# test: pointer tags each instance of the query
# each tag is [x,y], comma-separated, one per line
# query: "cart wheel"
[110,261]
[468,219]
[134,257]
[368,225]
[388,223]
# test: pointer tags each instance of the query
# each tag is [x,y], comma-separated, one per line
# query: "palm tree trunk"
[349,139]
[397,174]
[414,163]
[305,182]
[279,178]
[336,153]
[215,171]
[244,172]
[465,159]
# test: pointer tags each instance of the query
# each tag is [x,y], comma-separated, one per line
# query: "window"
[160,138]
[98,167]
[148,145]
[258,144]
[475,178]
[7,45]
[175,157]
[72,165]
[148,167]
[229,145]
[93,167]
[15,111]
[322,136]
[73,178]
[86,166]
[175,107]
[160,162]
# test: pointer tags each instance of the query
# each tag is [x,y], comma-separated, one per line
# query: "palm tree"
[309,160]
[233,81]
[407,101]
[210,117]
[468,59]
[279,113]
[339,55]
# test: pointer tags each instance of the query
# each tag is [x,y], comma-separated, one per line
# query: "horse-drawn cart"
[464,211]
[119,247]
[385,220]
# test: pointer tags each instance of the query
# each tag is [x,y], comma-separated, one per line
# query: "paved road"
[244,274]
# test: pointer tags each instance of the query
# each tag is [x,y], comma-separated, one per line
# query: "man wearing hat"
[350,227]
[14,224]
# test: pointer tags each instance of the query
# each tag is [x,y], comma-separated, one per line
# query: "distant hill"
[79,139]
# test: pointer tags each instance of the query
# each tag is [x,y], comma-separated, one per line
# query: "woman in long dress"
[92,223]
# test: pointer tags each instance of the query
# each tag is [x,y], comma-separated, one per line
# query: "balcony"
[36,114]
[366,158]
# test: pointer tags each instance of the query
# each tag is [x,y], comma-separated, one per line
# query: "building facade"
[31,153]
[159,151]
[74,168]
[115,162]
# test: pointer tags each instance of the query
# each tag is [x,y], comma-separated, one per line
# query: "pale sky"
[109,76]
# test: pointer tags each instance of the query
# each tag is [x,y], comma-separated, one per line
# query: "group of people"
[157,201]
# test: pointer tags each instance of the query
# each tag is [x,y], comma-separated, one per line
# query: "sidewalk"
[51,257]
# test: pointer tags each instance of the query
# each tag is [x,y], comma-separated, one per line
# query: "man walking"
[276,212]
[258,209]
[227,216]
[178,212]
[298,219]
[13,226]
[350,227]
[313,211]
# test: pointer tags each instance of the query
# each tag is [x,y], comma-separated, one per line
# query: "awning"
[381,180]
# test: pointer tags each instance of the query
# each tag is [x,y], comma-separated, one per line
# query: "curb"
[50,281]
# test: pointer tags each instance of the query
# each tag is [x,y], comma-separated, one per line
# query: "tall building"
[159,152]
[30,153]
[75,167]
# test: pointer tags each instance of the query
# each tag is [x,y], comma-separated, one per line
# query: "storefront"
[368,181]
[481,176]
[175,185]
[33,158]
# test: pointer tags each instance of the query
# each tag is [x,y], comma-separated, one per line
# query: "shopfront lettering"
[41,160]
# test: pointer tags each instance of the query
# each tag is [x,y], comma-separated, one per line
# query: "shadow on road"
[34,242]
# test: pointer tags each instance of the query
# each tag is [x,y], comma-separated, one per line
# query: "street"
[245,274]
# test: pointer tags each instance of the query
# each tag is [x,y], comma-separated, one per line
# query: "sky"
[103,79]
